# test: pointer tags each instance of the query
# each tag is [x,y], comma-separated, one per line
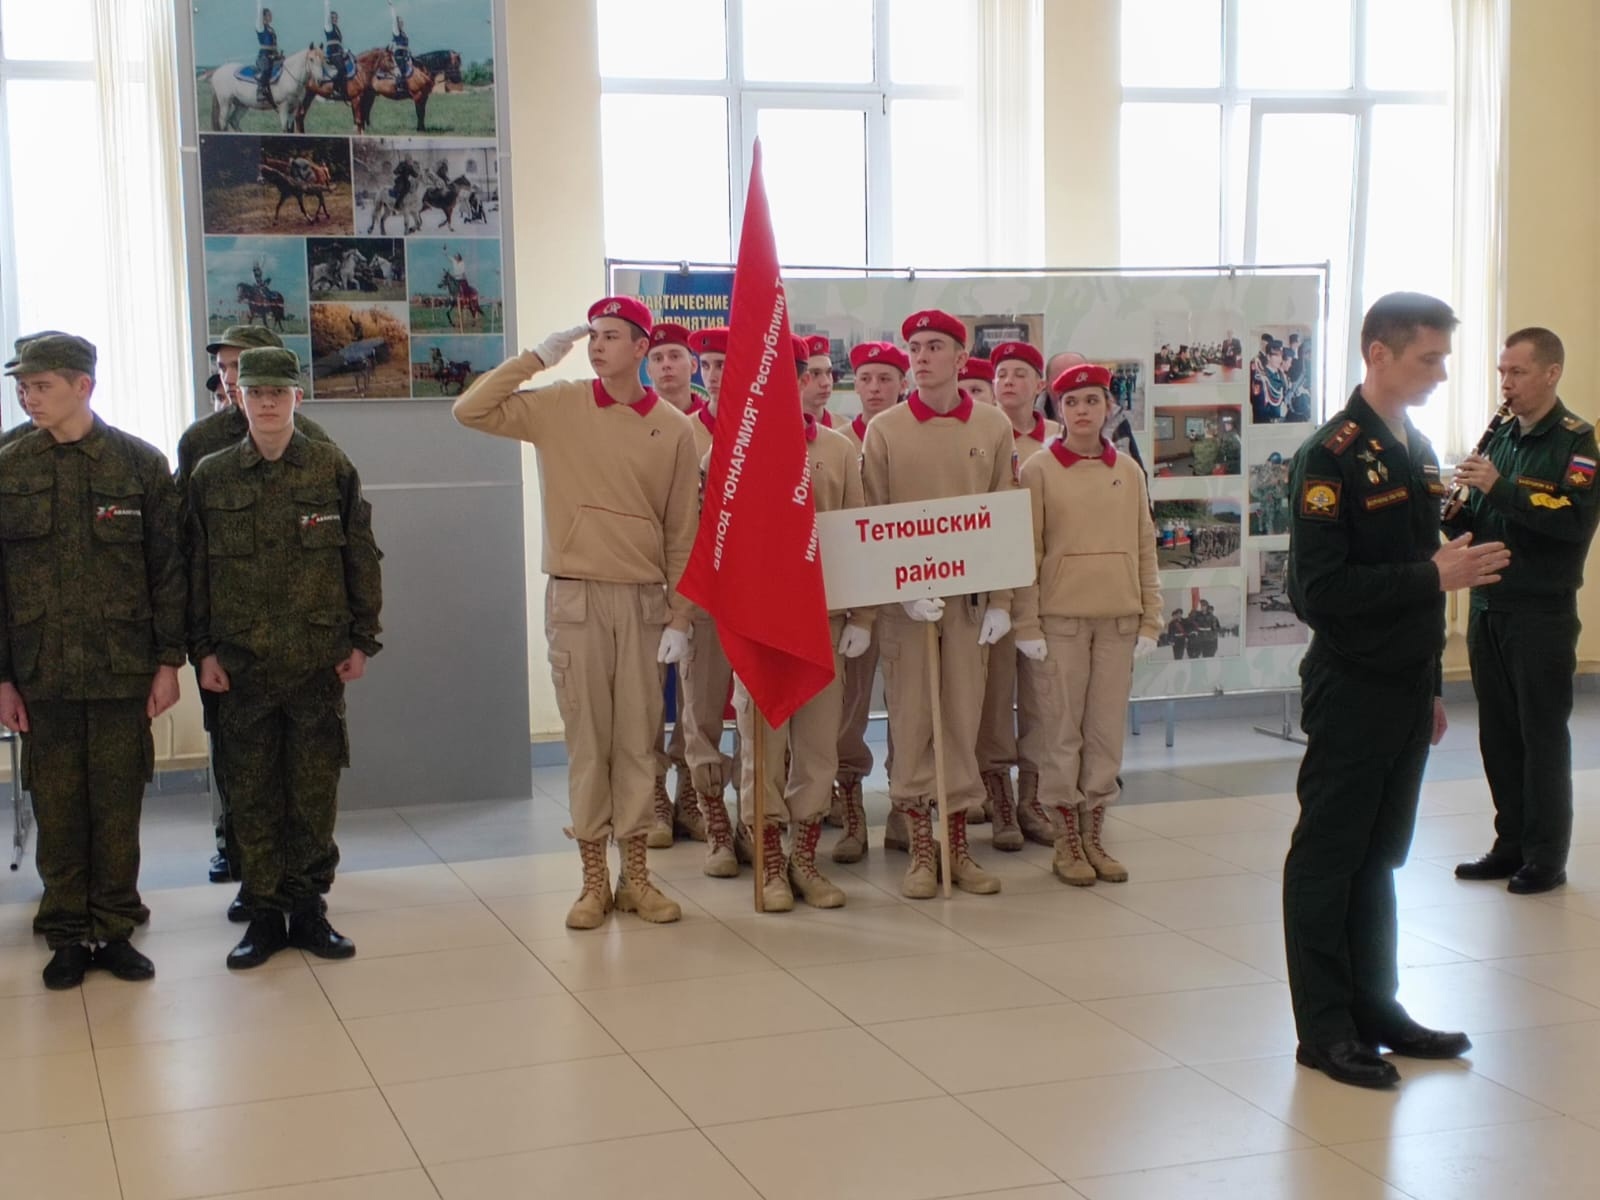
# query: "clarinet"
[1458,494]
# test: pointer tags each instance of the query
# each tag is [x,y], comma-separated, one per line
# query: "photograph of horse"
[464,293]
[360,352]
[234,90]
[356,268]
[255,280]
[422,186]
[446,365]
[278,185]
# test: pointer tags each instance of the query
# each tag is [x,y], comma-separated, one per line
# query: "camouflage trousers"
[222,809]
[86,763]
[286,745]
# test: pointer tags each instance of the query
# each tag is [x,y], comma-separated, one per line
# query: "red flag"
[755,566]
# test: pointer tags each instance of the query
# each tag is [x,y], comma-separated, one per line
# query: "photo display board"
[1217,378]
[353,205]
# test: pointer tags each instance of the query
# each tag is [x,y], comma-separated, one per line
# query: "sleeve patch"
[1339,440]
[1580,471]
[1541,500]
[1395,495]
[1319,499]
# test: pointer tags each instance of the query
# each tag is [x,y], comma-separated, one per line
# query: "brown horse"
[363,68]
[417,87]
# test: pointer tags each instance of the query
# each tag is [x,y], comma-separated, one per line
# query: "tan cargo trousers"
[1010,734]
[903,646]
[603,640]
[1084,707]
[811,737]
[703,680]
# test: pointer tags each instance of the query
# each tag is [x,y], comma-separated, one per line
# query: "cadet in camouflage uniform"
[92,608]
[217,431]
[25,425]
[284,594]
[1533,488]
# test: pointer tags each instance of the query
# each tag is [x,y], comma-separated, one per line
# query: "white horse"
[322,279]
[349,270]
[382,268]
[232,93]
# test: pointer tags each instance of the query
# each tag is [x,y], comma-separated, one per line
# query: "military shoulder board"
[1575,425]
[1339,440]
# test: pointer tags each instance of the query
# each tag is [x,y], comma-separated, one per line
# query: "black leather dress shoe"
[1351,1062]
[239,912]
[1412,1040]
[1532,879]
[264,938]
[221,871]
[1489,866]
[123,961]
[312,933]
[67,967]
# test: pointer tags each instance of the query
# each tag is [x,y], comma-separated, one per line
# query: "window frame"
[745,100]
[1236,233]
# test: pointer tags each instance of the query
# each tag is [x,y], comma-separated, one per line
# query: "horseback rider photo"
[262,281]
[458,270]
[333,44]
[267,54]
[404,172]
[400,44]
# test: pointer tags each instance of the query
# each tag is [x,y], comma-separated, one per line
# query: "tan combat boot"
[660,836]
[720,860]
[1069,863]
[852,844]
[835,815]
[686,819]
[775,893]
[1092,818]
[1007,833]
[590,909]
[636,893]
[965,872]
[1038,823]
[978,812]
[744,844]
[814,888]
[921,881]
[896,833]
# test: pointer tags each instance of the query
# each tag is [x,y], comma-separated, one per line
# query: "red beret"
[669,333]
[939,322]
[625,307]
[1021,352]
[884,353]
[1087,375]
[977,368]
[802,350]
[818,343]
[713,340]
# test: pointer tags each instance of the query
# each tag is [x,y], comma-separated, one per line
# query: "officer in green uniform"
[1368,575]
[217,431]
[1532,488]
[92,607]
[284,595]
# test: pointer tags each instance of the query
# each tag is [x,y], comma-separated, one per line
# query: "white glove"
[996,624]
[674,646]
[853,642]
[1144,646]
[929,608]
[1034,649]
[554,348]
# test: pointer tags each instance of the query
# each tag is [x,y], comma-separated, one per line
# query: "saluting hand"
[212,677]
[1477,472]
[1464,565]
[13,712]
[554,348]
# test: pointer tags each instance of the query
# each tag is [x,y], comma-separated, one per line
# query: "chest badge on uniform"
[312,520]
[1580,471]
[110,512]
[1377,469]
[1544,500]
[1537,485]
[1319,499]
[1377,500]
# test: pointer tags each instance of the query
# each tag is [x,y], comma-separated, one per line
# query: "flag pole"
[943,800]
[758,803]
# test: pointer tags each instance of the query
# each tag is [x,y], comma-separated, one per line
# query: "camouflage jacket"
[93,589]
[283,568]
[219,430]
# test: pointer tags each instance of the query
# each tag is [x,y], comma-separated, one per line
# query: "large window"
[1300,131]
[858,103]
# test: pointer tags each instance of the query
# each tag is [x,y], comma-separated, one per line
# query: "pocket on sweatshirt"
[615,546]
[1093,585]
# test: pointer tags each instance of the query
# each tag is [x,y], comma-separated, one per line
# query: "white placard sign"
[950,547]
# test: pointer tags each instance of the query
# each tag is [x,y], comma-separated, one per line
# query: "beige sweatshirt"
[906,459]
[1093,542]
[619,488]
[835,485]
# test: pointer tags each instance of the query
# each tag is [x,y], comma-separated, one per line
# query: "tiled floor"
[1125,1042]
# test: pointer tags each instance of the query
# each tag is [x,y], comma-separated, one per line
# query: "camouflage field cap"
[23,341]
[244,337]
[52,352]
[269,366]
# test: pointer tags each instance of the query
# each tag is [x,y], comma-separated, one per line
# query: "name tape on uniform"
[949,547]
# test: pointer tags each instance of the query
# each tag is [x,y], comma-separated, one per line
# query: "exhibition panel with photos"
[349,174]
[1218,373]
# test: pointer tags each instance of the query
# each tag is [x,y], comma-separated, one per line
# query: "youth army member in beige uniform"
[940,443]
[1010,699]
[977,379]
[1095,607]
[798,796]
[615,544]
[880,370]
[671,365]
[816,382]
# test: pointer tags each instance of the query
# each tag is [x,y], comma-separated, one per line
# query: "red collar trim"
[826,419]
[1036,433]
[811,427]
[605,399]
[859,425]
[919,409]
[1067,458]
[707,417]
